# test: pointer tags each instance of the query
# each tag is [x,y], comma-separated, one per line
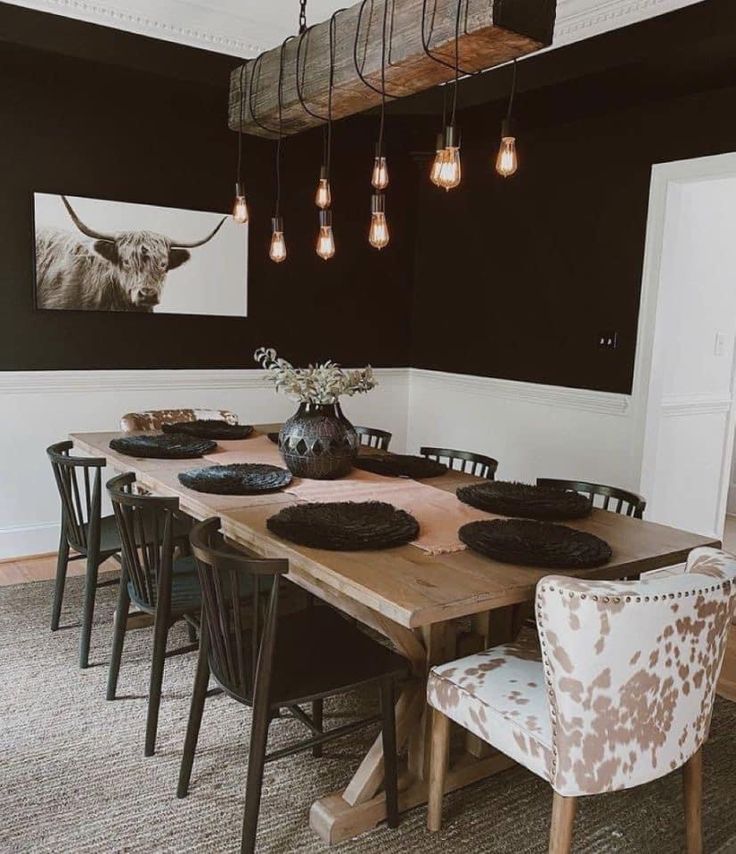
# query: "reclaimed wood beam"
[491,32]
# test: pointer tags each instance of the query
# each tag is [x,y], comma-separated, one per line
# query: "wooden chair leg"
[88,609]
[439,750]
[199,693]
[160,635]
[390,760]
[317,718]
[118,638]
[256,761]
[563,817]
[693,796]
[62,562]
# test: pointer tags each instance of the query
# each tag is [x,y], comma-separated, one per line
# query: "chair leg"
[317,718]
[256,761]
[160,635]
[62,562]
[439,751]
[88,612]
[121,625]
[563,817]
[693,794]
[390,762]
[199,693]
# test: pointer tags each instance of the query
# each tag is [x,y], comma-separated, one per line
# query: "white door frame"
[647,401]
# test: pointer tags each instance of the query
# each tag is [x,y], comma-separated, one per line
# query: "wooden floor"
[43,569]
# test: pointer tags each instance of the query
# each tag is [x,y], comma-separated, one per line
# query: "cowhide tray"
[164,446]
[531,543]
[400,465]
[236,479]
[525,501]
[209,429]
[345,526]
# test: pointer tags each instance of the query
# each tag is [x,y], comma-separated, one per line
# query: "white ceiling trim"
[203,26]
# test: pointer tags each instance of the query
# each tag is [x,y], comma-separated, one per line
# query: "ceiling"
[245,28]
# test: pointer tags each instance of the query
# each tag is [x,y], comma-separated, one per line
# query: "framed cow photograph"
[96,255]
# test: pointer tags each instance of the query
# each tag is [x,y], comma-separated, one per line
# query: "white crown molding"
[182,21]
[605,403]
[683,405]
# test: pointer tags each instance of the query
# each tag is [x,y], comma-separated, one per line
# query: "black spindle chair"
[464,461]
[372,437]
[83,529]
[155,579]
[274,661]
[624,502]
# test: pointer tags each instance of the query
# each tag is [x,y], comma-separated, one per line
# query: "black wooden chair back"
[78,481]
[465,461]
[624,502]
[239,610]
[146,527]
[372,437]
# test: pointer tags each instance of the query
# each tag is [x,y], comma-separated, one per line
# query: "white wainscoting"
[534,430]
[43,407]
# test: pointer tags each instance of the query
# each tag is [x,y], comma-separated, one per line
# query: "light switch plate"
[721,343]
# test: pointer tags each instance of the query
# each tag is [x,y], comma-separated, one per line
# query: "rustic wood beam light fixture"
[420,52]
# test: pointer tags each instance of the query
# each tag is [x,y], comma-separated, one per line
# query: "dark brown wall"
[155,132]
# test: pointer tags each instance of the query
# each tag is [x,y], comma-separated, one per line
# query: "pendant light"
[240,206]
[325,247]
[378,234]
[277,249]
[506,161]
[449,171]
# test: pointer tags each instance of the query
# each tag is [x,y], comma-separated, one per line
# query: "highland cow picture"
[95,255]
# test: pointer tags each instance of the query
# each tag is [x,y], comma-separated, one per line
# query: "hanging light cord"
[251,89]
[279,142]
[359,67]
[457,59]
[328,129]
[427,38]
[512,94]
[239,171]
[381,127]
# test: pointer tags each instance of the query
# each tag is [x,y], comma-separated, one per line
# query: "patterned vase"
[317,442]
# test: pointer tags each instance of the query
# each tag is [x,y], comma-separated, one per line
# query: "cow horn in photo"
[85,229]
[178,245]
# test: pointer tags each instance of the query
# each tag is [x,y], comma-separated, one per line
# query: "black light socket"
[507,128]
[323,176]
[451,137]
[277,223]
[378,203]
[239,188]
[325,218]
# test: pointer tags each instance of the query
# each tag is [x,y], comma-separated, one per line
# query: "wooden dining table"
[431,607]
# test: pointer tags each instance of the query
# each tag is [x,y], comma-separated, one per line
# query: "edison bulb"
[450,171]
[378,235]
[379,178]
[325,242]
[506,162]
[277,250]
[434,174]
[240,209]
[323,197]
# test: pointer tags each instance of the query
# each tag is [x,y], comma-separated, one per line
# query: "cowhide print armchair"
[153,419]
[619,692]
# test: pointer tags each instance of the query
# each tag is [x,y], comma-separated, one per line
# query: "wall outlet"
[608,340]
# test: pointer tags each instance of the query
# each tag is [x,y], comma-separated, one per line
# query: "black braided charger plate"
[400,465]
[345,525]
[209,429]
[236,479]
[163,446]
[524,500]
[530,543]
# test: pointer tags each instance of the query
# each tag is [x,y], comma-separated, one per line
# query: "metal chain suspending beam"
[421,54]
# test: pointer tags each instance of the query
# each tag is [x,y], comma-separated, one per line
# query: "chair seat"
[500,696]
[186,596]
[319,653]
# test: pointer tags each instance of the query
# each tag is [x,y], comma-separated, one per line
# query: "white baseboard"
[21,540]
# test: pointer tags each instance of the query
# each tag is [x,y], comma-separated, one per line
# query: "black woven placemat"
[524,500]
[164,446]
[209,429]
[400,465]
[345,525]
[531,543]
[237,479]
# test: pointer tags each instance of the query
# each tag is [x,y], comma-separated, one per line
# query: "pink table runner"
[439,513]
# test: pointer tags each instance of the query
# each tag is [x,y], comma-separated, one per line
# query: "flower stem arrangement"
[318,441]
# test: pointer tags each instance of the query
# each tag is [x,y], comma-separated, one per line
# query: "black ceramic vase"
[318,442]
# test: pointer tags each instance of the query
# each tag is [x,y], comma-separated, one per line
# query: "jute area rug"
[73,777]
